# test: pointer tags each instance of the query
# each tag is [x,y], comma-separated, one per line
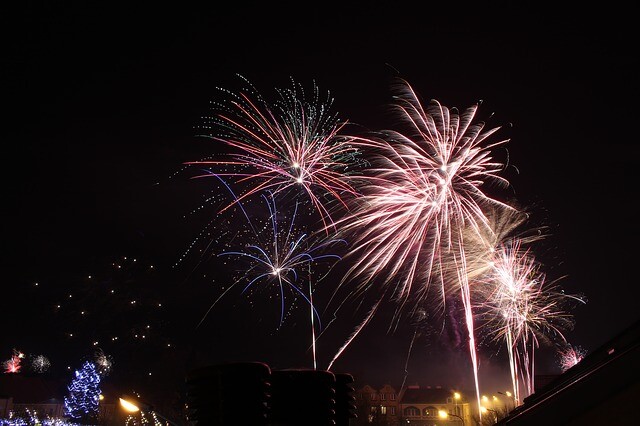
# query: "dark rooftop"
[25,389]
[598,390]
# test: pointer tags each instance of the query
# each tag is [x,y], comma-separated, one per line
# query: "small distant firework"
[40,363]
[294,144]
[14,364]
[570,356]
[103,362]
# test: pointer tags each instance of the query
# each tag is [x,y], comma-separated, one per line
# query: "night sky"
[102,106]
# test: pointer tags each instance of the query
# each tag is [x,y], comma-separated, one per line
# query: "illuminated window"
[383,410]
[411,411]
[431,412]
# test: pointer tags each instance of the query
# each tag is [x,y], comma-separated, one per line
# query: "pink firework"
[521,308]
[14,364]
[425,194]
[425,189]
[570,356]
[294,145]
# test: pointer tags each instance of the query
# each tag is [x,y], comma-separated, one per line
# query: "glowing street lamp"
[444,415]
[133,405]
[457,397]
[129,407]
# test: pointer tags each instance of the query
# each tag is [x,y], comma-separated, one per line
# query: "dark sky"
[101,103]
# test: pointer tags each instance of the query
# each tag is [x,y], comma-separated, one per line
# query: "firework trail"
[521,308]
[291,146]
[570,356]
[356,332]
[425,191]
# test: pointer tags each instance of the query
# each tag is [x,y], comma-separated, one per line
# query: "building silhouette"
[602,389]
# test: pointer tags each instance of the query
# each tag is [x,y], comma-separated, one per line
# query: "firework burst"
[14,364]
[425,194]
[103,362]
[570,355]
[425,189]
[294,145]
[521,308]
[278,254]
[40,363]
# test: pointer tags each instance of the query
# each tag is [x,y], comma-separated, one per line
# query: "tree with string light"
[84,393]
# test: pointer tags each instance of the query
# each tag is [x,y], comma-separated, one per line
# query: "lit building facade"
[424,406]
[377,406]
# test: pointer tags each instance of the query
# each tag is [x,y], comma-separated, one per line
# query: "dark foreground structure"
[252,394]
[602,389]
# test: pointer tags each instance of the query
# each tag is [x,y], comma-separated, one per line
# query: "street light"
[129,407]
[484,409]
[133,405]
[457,397]
[444,415]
